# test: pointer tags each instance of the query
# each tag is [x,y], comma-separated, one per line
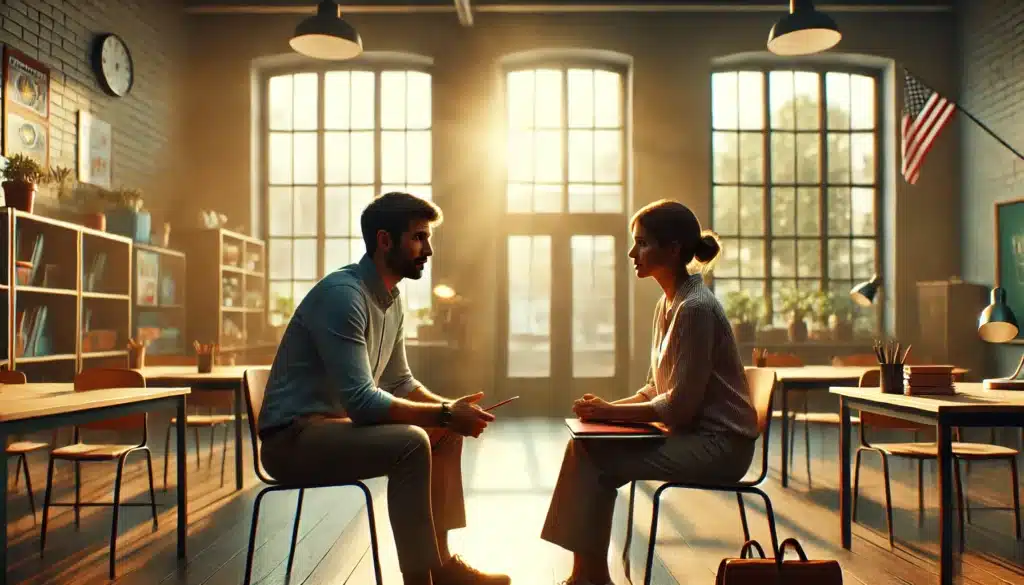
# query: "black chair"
[255,382]
[762,387]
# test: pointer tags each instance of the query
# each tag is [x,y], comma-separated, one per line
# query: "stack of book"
[918,380]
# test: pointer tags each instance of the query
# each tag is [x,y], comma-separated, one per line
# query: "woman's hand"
[591,407]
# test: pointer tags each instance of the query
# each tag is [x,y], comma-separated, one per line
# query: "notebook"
[610,430]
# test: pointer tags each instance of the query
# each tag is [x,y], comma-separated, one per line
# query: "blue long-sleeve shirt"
[342,353]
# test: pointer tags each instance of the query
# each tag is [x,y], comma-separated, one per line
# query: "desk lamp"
[997,324]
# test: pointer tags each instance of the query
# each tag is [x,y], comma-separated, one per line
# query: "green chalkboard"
[1010,256]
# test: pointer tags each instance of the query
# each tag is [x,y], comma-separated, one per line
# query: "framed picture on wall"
[1009,246]
[95,149]
[26,100]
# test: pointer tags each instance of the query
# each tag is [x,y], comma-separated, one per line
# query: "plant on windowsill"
[795,305]
[21,176]
[281,314]
[820,308]
[841,320]
[744,311]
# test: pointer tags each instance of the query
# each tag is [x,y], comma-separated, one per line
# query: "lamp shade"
[997,323]
[864,293]
[326,35]
[803,31]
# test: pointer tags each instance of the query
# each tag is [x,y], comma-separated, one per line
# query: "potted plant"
[127,216]
[743,311]
[841,320]
[92,203]
[795,305]
[21,176]
[821,306]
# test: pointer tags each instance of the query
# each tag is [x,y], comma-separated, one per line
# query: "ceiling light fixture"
[326,35]
[803,31]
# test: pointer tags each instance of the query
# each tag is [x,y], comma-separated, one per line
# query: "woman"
[696,387]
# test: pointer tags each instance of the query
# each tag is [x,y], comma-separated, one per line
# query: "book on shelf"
[32,336]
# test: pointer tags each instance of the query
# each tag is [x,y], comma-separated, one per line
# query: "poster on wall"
[95,148]
[1010,255]
[26,99]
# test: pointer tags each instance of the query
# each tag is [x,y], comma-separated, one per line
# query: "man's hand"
[591,407]
[468,419]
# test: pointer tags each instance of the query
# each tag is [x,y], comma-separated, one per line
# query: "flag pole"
[973,119]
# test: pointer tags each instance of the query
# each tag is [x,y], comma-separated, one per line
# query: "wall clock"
[112,62]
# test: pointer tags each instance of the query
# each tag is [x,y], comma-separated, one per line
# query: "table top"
[188,374]
[828,373]
[23,401]
[969,397]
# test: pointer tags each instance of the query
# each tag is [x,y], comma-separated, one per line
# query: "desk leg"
[949,545]
[181,433]
[785,435]
[845,510]
[238,436]
[3,510]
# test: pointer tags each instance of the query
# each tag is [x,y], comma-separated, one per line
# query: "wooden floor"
[509,475]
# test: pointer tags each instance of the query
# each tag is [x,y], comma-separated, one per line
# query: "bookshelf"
[227,290]
[158,299]
[68,289]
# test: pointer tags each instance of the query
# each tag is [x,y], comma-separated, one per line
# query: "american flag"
[925,114]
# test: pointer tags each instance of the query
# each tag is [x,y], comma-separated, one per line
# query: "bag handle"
[750,545]
[791,543]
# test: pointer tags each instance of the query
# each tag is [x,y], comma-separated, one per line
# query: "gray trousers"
[579,517]
[425,494]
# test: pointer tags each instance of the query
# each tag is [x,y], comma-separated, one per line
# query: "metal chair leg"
[856,482]
[152,488]
[888,501]
[224,454]
[374,547]
[46,506]
[743,517]
[252,537]
[770,513]
[28,487]
[17,469]
[1016,496]
[629,526]
[167,452]
[295,533]
[117,508]
[653,536]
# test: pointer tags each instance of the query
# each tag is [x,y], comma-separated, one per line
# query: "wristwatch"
[446,414]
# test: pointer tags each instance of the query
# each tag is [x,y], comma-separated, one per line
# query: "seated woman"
[696,387]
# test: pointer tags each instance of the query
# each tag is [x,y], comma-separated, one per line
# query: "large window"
[335,139]
[795,183]
[566,195]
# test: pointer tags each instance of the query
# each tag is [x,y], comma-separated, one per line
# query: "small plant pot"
[797,330]
[19,195]
[96,221]
[204,362]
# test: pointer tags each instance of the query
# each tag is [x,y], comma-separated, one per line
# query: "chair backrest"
[255,386]
[103,378]
[12,377]
[782,360]
[761,383]
[873,379]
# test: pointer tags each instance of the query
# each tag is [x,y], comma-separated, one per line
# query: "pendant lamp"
[803,31]
[326,35]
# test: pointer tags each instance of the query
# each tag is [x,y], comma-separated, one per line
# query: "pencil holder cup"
[204,362]
[892,378]
[136,358]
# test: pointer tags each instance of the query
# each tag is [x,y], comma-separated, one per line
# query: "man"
[341,403]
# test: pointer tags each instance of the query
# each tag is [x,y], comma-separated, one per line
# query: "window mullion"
[766,168]
[824,283]
[377,154]
[321,156]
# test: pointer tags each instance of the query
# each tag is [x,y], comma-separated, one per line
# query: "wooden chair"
[762,388]
[255,385]
[205,415]
[80,451]
[21,449]
[922,451]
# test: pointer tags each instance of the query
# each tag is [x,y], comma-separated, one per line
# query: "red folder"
[607,430]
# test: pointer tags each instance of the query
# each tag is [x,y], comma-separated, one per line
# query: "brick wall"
[146,123]
[991,34]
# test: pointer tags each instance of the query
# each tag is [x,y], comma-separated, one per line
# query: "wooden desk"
[28,408]
[220,379]
[808,378]
[971,406]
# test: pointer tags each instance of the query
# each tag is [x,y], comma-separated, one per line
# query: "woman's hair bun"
[707,247]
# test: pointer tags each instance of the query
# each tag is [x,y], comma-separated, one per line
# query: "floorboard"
[509,476]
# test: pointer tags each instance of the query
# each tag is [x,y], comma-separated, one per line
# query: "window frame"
[375,63]
[764,66]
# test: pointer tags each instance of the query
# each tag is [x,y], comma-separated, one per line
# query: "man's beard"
[403,266]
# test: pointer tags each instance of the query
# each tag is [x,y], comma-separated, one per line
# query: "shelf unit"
[68,293]
[227,290]
[158,299]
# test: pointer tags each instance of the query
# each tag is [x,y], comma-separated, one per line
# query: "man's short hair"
[393,212]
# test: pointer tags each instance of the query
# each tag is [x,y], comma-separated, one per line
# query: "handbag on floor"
[748,570]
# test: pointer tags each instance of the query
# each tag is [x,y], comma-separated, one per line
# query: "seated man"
[325,419]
